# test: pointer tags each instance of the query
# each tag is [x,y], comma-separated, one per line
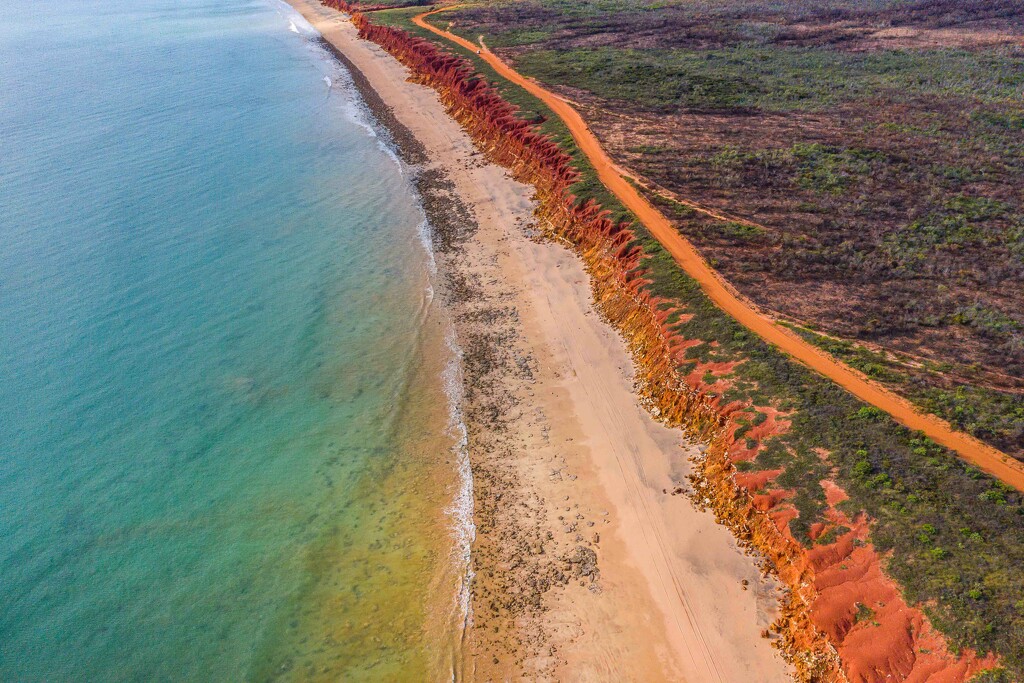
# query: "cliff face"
[844,619]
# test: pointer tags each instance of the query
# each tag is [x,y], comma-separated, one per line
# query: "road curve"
[985,457]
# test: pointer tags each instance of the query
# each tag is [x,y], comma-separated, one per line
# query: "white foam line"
[296,22]
[427,240]
[355,109]
[461,508]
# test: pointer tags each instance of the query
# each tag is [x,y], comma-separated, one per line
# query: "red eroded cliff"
[843,619]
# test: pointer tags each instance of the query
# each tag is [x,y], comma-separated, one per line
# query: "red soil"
[755,481]
[833,493]
[889,639]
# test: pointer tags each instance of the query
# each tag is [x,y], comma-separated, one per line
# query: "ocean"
[230,443]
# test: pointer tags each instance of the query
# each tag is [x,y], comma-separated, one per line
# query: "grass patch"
[776,78]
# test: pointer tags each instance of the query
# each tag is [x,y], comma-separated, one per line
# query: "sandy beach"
[590,562]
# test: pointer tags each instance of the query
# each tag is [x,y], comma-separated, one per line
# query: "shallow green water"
[225,444]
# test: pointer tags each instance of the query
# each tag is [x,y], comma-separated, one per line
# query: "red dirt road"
[987,458]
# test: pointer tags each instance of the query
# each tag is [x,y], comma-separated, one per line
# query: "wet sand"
[588,563]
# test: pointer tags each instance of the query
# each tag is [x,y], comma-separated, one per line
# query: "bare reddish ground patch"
[772,425]
[770,499]
[877,634]
[680,347]
[755,481]
[816,530]
[860,609]
[833,494]
[891,638]
[781,517]
[916,38]
[696,378]
[854,37]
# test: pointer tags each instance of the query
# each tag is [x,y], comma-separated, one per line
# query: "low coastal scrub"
[773,78]
[878,144]
[994,415]
[828,489]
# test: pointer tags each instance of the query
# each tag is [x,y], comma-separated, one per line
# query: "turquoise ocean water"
[226,447]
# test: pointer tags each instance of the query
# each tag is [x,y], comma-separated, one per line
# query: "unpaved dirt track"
[989,459]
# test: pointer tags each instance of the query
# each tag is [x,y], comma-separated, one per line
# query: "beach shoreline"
[586,559]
